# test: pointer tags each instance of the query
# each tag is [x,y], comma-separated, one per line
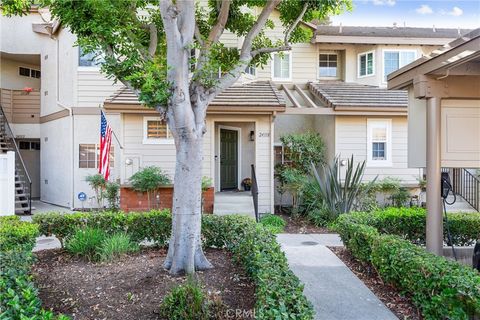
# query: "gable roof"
[387,35]
[344,95]
[260,96]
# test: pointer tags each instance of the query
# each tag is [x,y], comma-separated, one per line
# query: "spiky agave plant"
[339,197]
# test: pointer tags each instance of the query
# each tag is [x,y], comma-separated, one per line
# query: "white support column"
[7,184]
[434,236]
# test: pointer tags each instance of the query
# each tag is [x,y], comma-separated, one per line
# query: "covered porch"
[444,120]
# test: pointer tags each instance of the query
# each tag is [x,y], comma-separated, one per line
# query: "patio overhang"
[343,99]
[252,98]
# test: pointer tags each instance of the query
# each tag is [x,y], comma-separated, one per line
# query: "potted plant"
[247,184]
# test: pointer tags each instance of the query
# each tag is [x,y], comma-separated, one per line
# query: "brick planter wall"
[131,200]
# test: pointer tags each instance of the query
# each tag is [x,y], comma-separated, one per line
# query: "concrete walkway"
[335,292]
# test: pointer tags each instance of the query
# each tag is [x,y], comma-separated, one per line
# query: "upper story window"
[27,72]
[91,59]
[328,65]
[396,59]
[156,131]
[282,66]
[250,70]
[366,64]
[379,142]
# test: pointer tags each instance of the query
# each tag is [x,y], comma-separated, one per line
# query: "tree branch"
[198,35]
[295,23]
[270,50]
[218,28]
[152,48]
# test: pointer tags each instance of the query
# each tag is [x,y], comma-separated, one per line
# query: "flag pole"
[116,138]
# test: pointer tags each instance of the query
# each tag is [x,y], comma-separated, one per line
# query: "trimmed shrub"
[273,223]
[153,226]
[185,302]
[115,246]
[321,217]
[279,293]
[442,289]
[410,223]
[18,295]
[85,242]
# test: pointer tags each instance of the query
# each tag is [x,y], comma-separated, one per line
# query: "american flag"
[105,143]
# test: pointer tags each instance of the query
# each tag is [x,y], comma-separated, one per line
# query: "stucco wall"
[10,78]
[351,138]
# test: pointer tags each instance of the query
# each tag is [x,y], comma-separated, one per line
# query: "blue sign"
[82,196]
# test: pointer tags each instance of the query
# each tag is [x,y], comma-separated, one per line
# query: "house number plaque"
[264,134]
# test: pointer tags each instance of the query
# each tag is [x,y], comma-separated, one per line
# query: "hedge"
[18,295]
[279,293]
[442,289]
[409,223]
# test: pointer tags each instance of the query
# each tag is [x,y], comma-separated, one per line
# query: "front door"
[228,159]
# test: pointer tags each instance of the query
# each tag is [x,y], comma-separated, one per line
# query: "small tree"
[112,195]
[147,46]
[148,180]
[97,183]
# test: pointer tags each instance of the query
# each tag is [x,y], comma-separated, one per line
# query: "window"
[379,146]
[281,66]
[89,156]
[250,70]
[155,131]
[282,154]
[394,60]
[24,71]
[28,145]
[366,64]
[91,59]
[327,65]
[27,72]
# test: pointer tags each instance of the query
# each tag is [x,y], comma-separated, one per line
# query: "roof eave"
[381,40]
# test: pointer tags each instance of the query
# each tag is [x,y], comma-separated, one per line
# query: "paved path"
[335,292]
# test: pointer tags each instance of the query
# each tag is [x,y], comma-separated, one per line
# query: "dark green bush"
[86,242]
[152,226]
[185,302]
[321,217]
[279,293]
[409,223]
[18,295]
[273,223]
[442,289]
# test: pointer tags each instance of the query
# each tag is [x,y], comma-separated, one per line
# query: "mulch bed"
[400,305]
[299,224]
[132,287]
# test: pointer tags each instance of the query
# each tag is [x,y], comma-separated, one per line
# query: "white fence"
[7,183]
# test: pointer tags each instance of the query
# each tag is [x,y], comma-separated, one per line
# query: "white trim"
[289,66]
[387,123]
[146,140]
[399,64]
[239,154]
[366,64]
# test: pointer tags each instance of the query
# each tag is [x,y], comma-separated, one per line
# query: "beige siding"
[26,107]
[93,88]
[351,138]
[163,155]
[6,101]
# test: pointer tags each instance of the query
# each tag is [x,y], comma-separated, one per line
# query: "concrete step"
[233,203]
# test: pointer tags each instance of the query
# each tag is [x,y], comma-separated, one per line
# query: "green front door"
[228,159]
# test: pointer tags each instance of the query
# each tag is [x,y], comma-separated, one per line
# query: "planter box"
[131,200]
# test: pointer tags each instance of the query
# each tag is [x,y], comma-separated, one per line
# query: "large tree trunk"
[185,252]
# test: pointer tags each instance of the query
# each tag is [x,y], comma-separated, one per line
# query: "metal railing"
[255,193]
[466,185]
[20,168]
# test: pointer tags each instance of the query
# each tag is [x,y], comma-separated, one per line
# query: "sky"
[412,13]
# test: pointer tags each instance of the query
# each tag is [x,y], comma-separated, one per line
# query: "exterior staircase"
[234,202]
[23,183]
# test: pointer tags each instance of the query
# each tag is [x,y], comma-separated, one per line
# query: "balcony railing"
[20,106]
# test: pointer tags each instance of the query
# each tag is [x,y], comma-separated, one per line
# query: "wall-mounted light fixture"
[343,162]
[128,161]
[252,136]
